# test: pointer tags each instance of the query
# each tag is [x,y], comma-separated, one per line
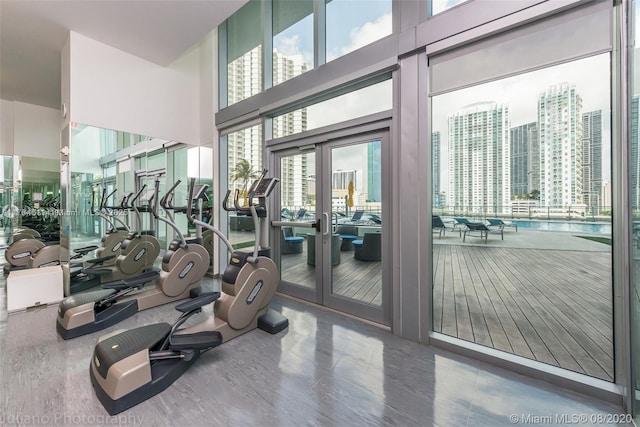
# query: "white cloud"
[363,35]
[442,5]
[290,47]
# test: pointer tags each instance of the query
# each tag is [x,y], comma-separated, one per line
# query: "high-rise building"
[435,169]
[525,159]
[374,171]
[592,161]
[294,183]
[247,143]
[285,67]
[479,159]
[340,179]
[560,127]
[245,76]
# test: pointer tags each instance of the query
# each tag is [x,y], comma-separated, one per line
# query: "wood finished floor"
[352,278]
[547,305]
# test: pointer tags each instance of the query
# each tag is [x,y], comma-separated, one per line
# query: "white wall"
[36,131]
[208,87]
[6,127]
[65,95]
[116,90]
[86,143]
[29,130]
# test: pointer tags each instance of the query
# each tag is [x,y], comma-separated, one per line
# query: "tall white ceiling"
[33,32]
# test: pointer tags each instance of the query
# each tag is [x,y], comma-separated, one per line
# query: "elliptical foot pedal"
[272,322]
[195,292]
[198,341]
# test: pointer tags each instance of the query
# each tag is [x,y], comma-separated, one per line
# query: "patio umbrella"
[350,198]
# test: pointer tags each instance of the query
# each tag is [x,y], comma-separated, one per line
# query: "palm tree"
[244,172]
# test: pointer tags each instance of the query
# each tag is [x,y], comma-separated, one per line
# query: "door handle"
[326,222]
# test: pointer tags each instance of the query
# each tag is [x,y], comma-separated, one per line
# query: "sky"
[351,25]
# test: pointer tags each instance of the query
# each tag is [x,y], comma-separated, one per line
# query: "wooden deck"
[547,305]
[360,280]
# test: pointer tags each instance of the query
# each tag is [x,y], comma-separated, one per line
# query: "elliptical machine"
[135,255]
[111,242]
[183,267]
[131,366]
[29,251]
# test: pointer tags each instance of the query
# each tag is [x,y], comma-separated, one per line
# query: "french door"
[332,236]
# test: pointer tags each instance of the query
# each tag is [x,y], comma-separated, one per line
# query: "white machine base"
[34,287]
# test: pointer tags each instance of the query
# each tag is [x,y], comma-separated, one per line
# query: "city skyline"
[520,93]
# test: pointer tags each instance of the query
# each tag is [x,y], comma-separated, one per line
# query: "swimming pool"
[572,227]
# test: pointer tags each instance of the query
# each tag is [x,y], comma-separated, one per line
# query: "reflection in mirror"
[117,179]
[29,196]
[39,185]
[9,198]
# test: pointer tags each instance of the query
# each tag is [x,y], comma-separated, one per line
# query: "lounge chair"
[481,231]
[438,225]
[300,215]
[375,218]
[495,222]
[357,216]
[460,223]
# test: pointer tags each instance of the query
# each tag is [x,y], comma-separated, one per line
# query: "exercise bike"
[128,367]
[183,267]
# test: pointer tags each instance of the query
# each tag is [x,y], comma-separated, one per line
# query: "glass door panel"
[298,204]
[356,212]
[339,264]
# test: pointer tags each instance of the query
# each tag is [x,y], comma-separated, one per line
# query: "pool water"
[572,227]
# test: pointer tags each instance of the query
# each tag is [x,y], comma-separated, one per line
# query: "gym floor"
[324,370]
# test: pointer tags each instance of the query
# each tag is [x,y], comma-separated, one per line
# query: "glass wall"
[518,121]
[244,161]
[244,53]
[292,39]
[359,103]
[352,24]
[522,215]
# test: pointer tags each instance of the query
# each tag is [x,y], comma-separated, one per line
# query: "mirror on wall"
[39,189]
[29,197]
[111,190]
[9,198]
[29,203]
